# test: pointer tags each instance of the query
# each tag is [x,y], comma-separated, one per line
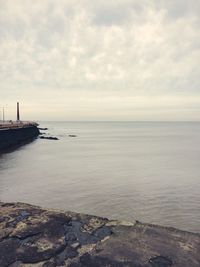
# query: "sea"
[146,171]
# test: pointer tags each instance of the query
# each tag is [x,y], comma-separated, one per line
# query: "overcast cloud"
[100,60]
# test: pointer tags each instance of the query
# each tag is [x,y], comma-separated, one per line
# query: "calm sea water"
[122,170]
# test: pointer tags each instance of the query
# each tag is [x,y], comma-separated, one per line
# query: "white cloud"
[79,55]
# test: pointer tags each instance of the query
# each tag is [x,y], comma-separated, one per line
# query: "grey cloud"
[105,16]
[113,52]
[180,8]
[14,28]
[117,12]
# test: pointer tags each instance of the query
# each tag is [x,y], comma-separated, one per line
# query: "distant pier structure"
[18,116]
[10,124]
[15,133]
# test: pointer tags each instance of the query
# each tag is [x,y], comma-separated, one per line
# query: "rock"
[32,236]
[72,135]
[49,138]
[160,261]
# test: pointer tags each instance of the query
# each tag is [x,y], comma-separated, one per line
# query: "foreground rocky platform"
[32,236]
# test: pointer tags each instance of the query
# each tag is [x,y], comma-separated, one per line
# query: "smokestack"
[18,117]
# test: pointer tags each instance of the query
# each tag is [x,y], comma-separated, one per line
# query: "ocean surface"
[149,171]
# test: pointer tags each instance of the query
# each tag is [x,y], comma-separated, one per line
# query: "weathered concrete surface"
[12,137]
[35,237]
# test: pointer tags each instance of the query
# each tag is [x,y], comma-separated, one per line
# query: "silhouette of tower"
[18,117]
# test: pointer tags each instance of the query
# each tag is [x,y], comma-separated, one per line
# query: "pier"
[16,124]
[15,133]
[10,124]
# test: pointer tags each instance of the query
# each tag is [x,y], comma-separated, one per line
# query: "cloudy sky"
[100,60]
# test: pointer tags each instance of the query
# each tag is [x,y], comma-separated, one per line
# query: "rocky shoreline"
[31,236]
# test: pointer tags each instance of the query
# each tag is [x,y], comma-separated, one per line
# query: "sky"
[100,60]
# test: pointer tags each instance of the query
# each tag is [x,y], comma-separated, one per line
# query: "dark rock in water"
[72,135]
[32,236]
[49,138]
[43,129]
[42,133]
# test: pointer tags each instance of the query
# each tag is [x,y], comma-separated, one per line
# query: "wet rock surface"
[31,236]
[48,137]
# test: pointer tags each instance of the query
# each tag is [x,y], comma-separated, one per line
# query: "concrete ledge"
[11,137]
[32,236]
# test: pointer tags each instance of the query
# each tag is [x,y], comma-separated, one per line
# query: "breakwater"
[14,136]
[33,236]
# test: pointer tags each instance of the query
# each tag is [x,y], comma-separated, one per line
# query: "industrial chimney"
[18,117]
